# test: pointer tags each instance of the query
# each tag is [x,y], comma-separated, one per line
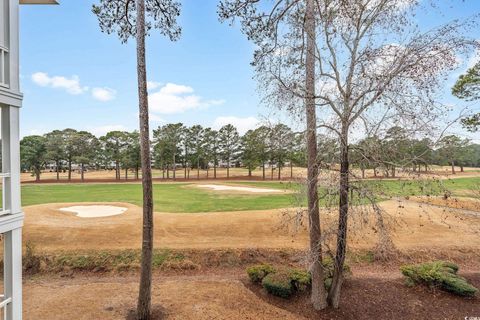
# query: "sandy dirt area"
[370,293]
[457,202]
[413,226]
[207,298]
[235,173]
[94,211]
[67,300]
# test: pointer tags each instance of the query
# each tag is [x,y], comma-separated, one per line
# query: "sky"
[75,76]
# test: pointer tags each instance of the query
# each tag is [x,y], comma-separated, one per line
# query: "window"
[4,39]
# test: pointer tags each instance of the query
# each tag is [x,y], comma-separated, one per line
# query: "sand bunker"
[218,187]
[95,211]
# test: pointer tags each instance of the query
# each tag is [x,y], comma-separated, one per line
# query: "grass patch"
[167,197]
[180,197]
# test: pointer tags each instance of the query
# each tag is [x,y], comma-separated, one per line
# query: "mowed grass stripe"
[180,197]
[167,197]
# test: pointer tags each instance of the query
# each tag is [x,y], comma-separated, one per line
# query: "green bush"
[329,268]
[258,272]
[440,274]
[285,281]
[300,279]
[278,284]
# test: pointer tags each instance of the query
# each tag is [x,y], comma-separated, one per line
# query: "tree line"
[177,147]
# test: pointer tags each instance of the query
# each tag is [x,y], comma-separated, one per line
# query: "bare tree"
[280,30]
[318,289]
[127,18]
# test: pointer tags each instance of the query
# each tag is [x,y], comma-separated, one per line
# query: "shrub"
[439,274]
[31,262]
[258,272]
[278,284]
[285,281]
[300,279]
[329,267]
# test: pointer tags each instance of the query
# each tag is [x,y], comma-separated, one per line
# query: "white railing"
[4,81]
[3,303]
[4,176]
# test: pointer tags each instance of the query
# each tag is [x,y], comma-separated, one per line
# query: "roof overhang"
[38,2]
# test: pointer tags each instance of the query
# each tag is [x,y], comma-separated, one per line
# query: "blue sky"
[75,76]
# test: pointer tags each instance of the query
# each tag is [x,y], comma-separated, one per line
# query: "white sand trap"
[95,211]
[218,187]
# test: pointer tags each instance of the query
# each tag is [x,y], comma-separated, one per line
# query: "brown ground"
[227,294]
[413,225]
[374,291]
[457,202]
[241,174]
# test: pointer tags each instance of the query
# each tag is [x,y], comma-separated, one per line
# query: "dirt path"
[413,226]
[179,297]
[371,293]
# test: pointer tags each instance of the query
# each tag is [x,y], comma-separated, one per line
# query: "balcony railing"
[4,211]
[3,303]
[4,76]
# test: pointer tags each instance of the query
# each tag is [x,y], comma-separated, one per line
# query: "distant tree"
[297,151]
[196,142]
[210,149]
[70,140]
[171,135]
[229,142]
[422,153]
[214,138]
[55,144]
[33,154]
[281,140]
[85,145]
[251,143]
[451,148]
[132,155]
[467,88]
[115,143]
[161,152]
[396,148]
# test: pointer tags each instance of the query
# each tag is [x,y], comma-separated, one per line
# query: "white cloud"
[155,118]
[173,98]
[242,124]
[70,85]
[102,130]
[152,85]
[104,94]
[152,117]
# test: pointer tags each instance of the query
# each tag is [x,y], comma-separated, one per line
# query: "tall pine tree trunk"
[174,165]
[58,169]
[145,291]
[318,297]
[335,289]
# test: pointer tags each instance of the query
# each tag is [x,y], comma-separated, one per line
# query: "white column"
[12,273]
[11,158]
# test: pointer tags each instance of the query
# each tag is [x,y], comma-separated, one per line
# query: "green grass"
[179,197]
[167,197]
[393,188]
